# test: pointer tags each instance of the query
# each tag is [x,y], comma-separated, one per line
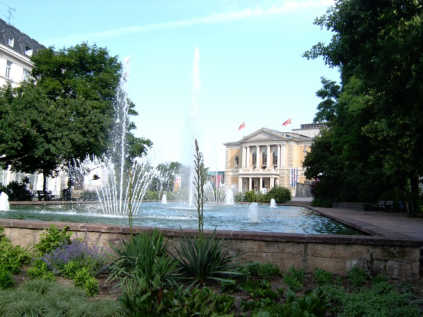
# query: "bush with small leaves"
[6,278]
[294,279]
[52,239]
[323,277]
[357,277]
[12,257]
[39,270]
[85,280]
[261,270]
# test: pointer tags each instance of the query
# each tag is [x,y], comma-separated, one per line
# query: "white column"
[268,157]
[247,165]
[250,183]
[240,184]
[261,184]
[272,182]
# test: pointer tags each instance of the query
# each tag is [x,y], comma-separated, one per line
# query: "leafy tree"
[65,113]
[165,179]
[377,45]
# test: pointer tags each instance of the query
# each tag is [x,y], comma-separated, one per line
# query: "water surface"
[240,217]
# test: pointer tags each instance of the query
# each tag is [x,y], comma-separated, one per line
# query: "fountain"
[164,199]
[4,202]
[253,213]
[229,196]
[119,183]
[193,118]
[272,203]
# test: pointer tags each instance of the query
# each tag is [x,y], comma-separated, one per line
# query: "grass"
[39,298]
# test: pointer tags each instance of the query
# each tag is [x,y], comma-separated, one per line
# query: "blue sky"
[250,66]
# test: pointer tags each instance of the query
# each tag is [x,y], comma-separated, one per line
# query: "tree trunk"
[44,185]
[414,197]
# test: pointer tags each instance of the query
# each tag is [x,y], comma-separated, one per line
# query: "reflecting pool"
[240,217]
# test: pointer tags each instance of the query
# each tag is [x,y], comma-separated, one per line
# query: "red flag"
[242,126]
[287,122]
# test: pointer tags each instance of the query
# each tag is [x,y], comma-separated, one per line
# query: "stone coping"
[223,234]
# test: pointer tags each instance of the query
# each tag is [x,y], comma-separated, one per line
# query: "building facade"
[266,158]
[16,50]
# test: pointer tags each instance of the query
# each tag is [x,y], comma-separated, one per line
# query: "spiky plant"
[199,181]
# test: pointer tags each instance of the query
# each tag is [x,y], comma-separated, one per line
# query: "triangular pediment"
[263,135]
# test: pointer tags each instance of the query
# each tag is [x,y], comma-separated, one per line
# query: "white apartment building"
[16,49]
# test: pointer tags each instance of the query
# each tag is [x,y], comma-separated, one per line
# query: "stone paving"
[387,224]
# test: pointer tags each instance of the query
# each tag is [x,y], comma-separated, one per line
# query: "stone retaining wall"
[398,258]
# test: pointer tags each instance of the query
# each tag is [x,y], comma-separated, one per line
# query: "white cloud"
[286,7]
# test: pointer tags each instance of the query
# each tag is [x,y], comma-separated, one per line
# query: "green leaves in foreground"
[39,298]
[144,256]
[204,258]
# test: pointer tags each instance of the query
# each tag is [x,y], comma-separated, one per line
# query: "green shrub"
[78,251]
[379,300]
[40,298]
[239,197]
[262,270]
[144,255]
[151,195]
[17,191]
[357,277]
[250,196]
[262,198]
[311,304]
[294,279]
[52,239]
[279,194]
[204,258]
[201,302]
[85,280]
[322,277]
[260,294]
[39,270]
[6,278]
[12,257]
[142,297]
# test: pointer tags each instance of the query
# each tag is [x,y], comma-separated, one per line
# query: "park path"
[382,223]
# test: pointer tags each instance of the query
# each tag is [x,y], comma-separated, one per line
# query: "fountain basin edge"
[396,256]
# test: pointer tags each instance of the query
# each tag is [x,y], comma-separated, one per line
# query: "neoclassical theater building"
[268,158]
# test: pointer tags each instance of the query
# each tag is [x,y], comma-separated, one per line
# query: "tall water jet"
[4,202]
[253,213]
[229,196]
[193,119]
[164,199]
[125,185]
[272,203]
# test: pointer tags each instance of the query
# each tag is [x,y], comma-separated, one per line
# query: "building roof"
[21,42]
[265,134]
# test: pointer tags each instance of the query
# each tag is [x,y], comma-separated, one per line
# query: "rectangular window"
[8,68]
[28,51]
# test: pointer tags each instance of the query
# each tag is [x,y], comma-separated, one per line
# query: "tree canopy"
[65,112]
[373,119]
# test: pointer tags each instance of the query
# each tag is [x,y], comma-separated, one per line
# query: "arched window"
[236,161]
